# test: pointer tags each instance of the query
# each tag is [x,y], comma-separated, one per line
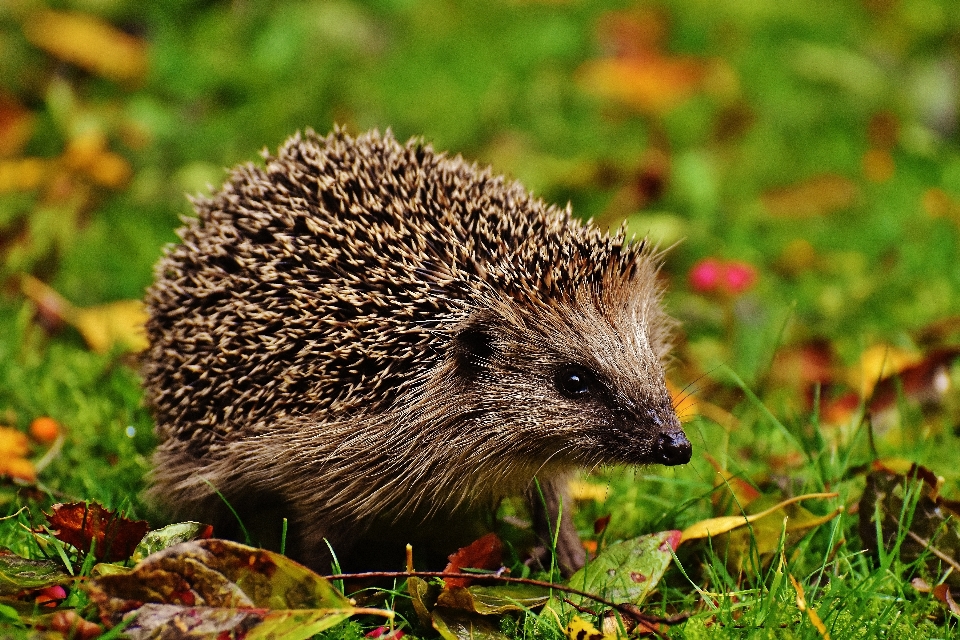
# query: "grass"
[843,106]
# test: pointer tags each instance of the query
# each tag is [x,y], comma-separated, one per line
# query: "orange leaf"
[653,84]
[89,43]
[483,553]
[82,525]
[19,468]
[16,126]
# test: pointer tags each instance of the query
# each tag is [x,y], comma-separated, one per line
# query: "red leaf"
[81,525]
[484,553]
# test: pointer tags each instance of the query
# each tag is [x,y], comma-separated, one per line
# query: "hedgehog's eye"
[574,382]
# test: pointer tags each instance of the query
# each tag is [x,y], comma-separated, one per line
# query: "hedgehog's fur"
[367,335]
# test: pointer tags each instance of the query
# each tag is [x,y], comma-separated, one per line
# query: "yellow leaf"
[23,174]
[878,362]
[120,322]
[819,195]
[19,468]
[724,524]
[580,629]
[102,326]
[13,443]
[89,43]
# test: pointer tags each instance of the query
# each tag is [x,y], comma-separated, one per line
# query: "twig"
[626,609]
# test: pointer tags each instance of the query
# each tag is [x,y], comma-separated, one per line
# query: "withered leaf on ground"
[454,624]
[210,587]
[119,323]
[716,526]
[18,574]
[87,526]
[492,600]
[160,539]
[934,527]
[482,553]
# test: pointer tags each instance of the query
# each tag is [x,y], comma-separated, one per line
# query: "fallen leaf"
[712,527]
[820,195]
[111,536]
[453,624]
[487,600]
[121,323]
[942,593]
[69,624]
[924,382]
[934,527]
[23,174]
[878,362]
[628,571]
[210,587]
[16,126]
[160,539]
[13,443]
[18,574]
[89,43]
[14,446]
[651,84]
[483,553]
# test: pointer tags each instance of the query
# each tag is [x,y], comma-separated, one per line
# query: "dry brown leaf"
[820,195]
[89,43]
[90,526]
[16,126]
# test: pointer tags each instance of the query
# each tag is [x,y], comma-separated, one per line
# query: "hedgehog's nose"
[673,448]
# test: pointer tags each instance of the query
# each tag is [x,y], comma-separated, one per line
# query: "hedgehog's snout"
[672,448]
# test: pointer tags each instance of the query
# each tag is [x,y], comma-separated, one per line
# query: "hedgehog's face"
[580,389]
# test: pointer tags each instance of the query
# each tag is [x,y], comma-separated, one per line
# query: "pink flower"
[706,274]
[711,275]
[739,277]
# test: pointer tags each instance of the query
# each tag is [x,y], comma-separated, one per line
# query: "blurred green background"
[814,144]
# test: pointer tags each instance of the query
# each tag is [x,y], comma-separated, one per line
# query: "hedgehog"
[378,342]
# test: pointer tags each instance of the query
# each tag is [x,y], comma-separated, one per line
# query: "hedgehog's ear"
[473,348]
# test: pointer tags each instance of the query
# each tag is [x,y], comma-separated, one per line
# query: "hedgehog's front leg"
[550,508]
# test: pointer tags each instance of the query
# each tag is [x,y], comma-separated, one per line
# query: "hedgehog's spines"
[304,337]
